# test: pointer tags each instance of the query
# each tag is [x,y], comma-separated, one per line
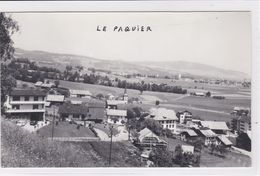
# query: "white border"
[99,6]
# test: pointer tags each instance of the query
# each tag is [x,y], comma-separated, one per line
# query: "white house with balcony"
[26,104]
[116,116]
[166,117]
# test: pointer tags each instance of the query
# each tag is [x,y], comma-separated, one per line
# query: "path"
[102,135]
[121,136]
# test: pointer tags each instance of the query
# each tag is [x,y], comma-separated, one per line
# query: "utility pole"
[110,150]
[53,118]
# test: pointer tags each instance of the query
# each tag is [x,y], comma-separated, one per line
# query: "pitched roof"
[115,102]
[163,114]
[80,92]
[190,132]
[225,140]
[68,108]
[27,92]
[116,112]
[55,98]
[208,133]
[147,133]
[214,125]
[96,113]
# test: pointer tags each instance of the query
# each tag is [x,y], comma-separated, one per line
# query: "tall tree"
[7,28]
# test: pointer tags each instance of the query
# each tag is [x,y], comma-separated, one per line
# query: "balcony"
[24,110]
[26,102]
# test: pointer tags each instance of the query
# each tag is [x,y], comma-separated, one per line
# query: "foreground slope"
[20,148]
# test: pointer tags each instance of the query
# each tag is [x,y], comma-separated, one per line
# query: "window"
[35,107]
[26,98]
[36,98]
[16,98]
[16,107]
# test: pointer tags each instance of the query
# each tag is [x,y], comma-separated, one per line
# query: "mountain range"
[190,69]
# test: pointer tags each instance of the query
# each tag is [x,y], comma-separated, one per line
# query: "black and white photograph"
[126,89]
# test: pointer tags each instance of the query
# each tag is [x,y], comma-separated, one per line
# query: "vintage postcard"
[149,89]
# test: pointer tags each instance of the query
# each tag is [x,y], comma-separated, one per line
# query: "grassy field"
[65,129]
[20,148]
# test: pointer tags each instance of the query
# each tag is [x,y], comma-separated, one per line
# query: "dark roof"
[91,112]
[68,108]
[96,113]
[27,92]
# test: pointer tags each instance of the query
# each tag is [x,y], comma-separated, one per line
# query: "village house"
[147,140]
[166,117]
[80,93]
[216,126]
[208,136]
[188,135]
[113,104]
[54,99]
[82,112]
[117,116]
[184,116]
[26,104]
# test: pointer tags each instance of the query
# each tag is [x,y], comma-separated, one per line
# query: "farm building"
[116,116]
[82,112]
[223,140]
[207,135]
[80,93]
[216,126]
[166,117]
[188,135]
[26,104]
[147,139]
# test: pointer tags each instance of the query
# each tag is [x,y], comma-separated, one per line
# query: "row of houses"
[211,132]
[31,104]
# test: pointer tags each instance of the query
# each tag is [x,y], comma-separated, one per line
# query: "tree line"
[25,70]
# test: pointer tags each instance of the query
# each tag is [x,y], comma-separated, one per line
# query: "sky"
[221,39]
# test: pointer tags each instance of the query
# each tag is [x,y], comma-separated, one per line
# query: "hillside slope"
[169,68]
[20,148]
